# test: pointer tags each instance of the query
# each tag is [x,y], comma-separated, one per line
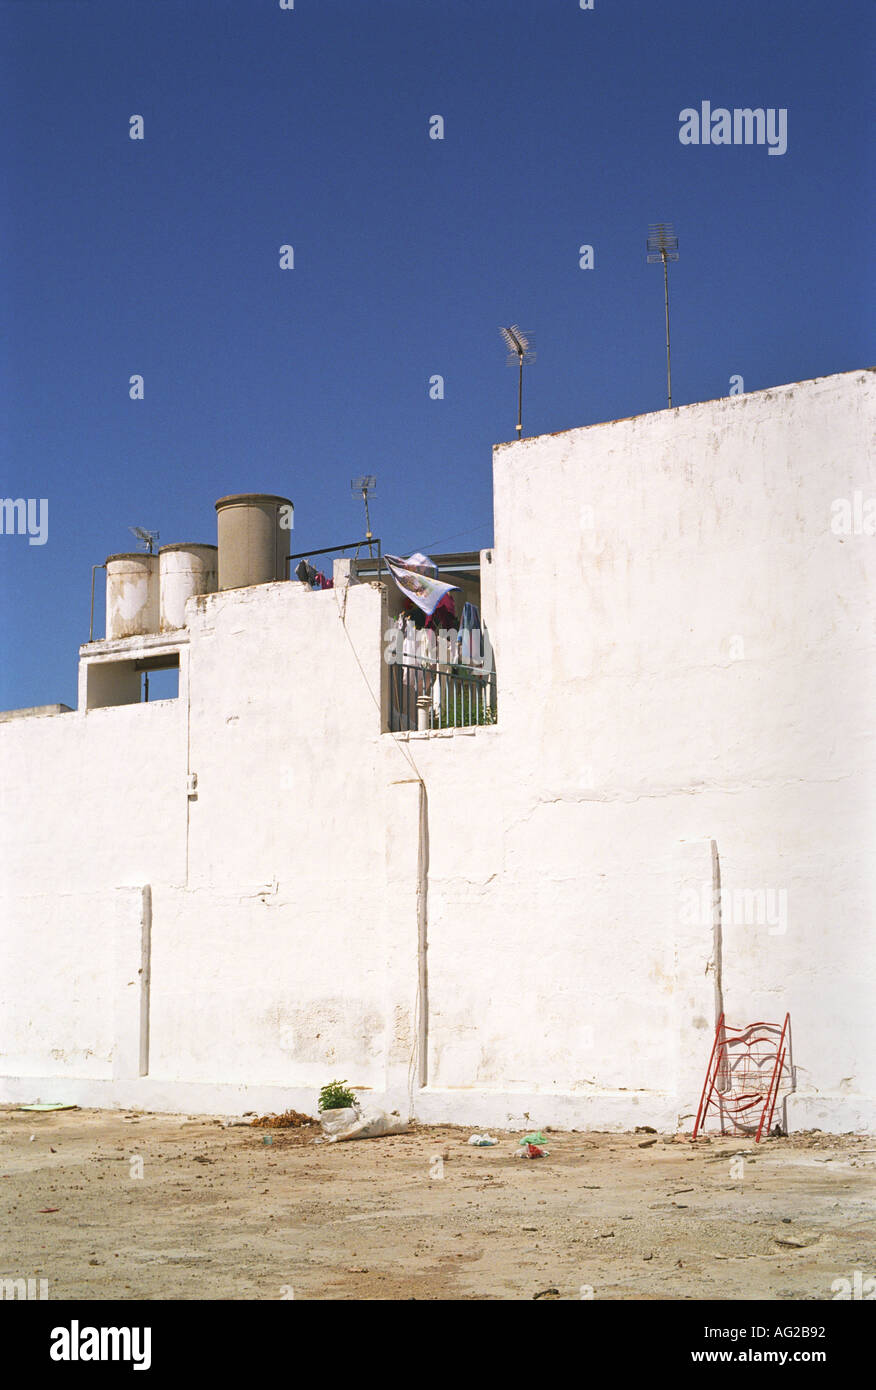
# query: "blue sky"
[310,127]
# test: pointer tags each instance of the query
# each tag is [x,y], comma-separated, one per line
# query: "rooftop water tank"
[253,541]
[183,571]
[131,595]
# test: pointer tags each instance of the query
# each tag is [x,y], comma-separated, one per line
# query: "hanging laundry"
[416,579]
[469,642]
[471,618]
[313,578]
[443,615]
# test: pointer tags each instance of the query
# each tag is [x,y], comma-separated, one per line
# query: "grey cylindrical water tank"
[253,542]
[131,595]
[183,571]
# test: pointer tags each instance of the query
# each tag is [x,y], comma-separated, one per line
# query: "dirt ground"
[219,1212]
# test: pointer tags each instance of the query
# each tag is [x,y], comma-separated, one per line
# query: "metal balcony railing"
[434,695]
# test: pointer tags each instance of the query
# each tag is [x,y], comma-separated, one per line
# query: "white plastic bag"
[360,1122]
[336,1121]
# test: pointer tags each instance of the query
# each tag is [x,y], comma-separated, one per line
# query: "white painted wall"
[685,653]
[86,807]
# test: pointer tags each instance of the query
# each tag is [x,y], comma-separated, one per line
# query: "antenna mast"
[663,246]
[146,538]
[518,345]
[364,486]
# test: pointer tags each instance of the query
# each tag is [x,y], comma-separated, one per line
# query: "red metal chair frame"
[744,1073]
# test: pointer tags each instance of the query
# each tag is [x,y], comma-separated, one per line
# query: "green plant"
[336,1096]
[464,717]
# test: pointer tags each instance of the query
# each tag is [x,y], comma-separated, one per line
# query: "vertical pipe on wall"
[191,785]
[718,955]
[717,933]
[94,569]
[145,978]
[422,938]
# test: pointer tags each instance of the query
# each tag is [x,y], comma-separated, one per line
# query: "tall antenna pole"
[668,355]
[520,400]
[147,539]
[364,486]
[367,521]
[518,345]
[663,246]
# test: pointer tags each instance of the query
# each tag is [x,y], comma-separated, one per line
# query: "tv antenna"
[146,538]
[365,487]
[519,351]
[663,246]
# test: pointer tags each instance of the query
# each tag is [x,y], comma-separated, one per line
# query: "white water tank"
[131,595]
[183,571]
[253,530]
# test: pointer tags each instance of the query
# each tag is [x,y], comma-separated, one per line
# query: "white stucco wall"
[685,654]
[716,645]
[87,807]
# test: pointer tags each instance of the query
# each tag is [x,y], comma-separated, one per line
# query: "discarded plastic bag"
[360,1122]
[483,1141]
[336,1121]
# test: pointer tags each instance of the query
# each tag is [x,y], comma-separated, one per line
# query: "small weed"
[336,1096]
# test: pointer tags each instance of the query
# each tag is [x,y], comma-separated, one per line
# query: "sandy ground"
[220,1213]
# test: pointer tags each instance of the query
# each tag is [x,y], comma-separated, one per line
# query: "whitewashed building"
[219,902]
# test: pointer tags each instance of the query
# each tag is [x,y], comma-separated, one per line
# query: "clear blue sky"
[311,127]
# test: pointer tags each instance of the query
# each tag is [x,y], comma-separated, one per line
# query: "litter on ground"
[290,1119]
[535,1138]
[360,1122]
[49,1105]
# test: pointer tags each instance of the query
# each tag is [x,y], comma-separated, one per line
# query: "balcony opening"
[161,683]
[133,681]
[441,673]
